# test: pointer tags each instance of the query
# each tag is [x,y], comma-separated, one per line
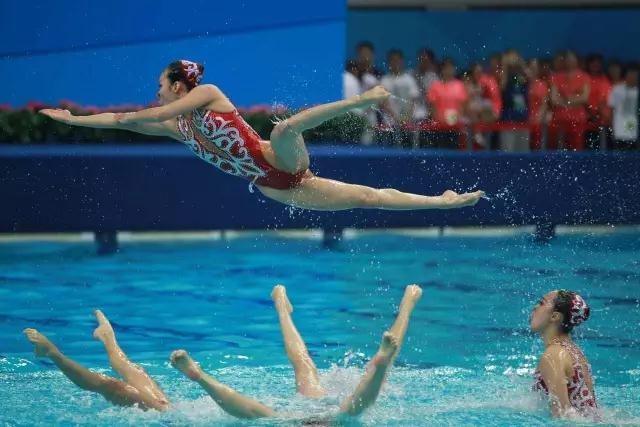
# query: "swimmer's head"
[562,310]
[178,79]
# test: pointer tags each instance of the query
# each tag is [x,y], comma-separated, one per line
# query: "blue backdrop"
[474,35]
[103,53]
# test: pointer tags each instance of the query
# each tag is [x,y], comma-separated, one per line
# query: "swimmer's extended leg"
[286,137]
[113,390]
[324,194]
[307,381]
[369,387]
[411,296]
[228,399]
[370,384]
[132,374]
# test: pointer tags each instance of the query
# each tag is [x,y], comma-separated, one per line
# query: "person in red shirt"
[485,100]
[599,93]
[448,97]
[569,98]
[538,101]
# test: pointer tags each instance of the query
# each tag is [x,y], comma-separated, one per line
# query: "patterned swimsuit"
[228,142]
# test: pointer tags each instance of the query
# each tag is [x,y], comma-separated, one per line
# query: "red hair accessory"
[191,71]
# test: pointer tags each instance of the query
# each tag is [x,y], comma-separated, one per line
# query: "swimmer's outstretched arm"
[200,96]
[228,399]
[109,121]
[369,387]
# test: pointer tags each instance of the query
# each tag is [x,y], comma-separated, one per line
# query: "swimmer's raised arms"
[203,118]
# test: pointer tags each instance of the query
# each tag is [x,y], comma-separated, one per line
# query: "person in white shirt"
[350,82]
[623,100]
[401,106]
[426,73]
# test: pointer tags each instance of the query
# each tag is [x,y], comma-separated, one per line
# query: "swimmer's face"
[166,91]
[543,315]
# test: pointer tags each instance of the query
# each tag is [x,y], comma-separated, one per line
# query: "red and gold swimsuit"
[228,142]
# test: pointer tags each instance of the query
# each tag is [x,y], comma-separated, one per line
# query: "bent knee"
[283,129]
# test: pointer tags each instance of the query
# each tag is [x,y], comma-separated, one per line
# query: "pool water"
[467,359]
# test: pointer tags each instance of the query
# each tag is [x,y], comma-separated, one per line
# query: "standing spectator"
[485,101]
[624,102]
[514,87]
[351,80]
[569,97]
[369,74]
[614,72]
[538,101]
[403,88]
[597,108]
[426,73]
[448,101]
[495,66]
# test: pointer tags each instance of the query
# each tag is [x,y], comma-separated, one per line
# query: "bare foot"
[104,330]
[375,94]
[42,346]
[412,293]
[454,200]
[279,296]
[388,347]
[181,360]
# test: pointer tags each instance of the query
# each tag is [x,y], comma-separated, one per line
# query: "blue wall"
[165,187]
[102,53]
[474,35]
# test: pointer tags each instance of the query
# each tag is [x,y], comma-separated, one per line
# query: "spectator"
[514,87]
[448,97]
[600,89]
[369,74]
[403,87]
[485,102]
[614,72]
[624,102]
[538,101]
[350,80]
[495,66]
[569,97]
[426,73]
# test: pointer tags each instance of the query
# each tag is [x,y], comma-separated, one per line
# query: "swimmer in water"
[136,388]
[203,118]
[307,380]
[563,373]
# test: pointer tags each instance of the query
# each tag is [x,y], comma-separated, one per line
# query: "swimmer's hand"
[374,95]
[57,114]
[451,199]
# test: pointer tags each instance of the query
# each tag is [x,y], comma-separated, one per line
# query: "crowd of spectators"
[567,101]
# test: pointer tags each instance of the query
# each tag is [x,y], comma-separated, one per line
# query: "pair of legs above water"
[307,380]
[135,388]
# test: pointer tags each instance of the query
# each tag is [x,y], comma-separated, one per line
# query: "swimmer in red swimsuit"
[203,118]
[563,374]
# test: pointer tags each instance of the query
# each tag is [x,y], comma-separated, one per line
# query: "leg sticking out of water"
[132,374]
[228,399]
[369,387]
[307,381]
[115,391]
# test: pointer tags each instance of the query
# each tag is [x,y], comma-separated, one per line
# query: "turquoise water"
[467,360]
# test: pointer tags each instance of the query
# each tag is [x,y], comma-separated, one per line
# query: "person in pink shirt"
[485,100]
[569,98]
[448,97]
[599,93]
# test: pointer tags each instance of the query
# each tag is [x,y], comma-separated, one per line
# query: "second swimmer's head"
[560,309]
[178,79]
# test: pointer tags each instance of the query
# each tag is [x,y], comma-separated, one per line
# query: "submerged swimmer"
[564,373]
[307,380]
[136,388]
[202,117]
